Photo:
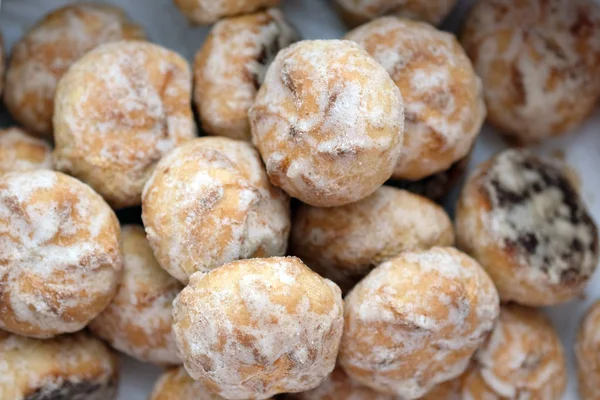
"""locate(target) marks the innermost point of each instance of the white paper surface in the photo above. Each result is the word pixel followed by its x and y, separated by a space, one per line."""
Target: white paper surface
pixel 316 19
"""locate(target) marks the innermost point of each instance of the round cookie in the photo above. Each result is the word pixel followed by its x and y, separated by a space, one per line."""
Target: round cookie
pixel 436 187
pixel 60 260
pixel 118 110
pixel 231 66
pixel 256 328
pixel 20 151
pixel 539 61
pixel 345 243
pixel 357 12
pixel 523 220
pixel 210 202
pixel 587 351
pixel 46 52
pixel 208 11
pixel 176 384
pixel 328 122
pixel 138 321
pixel 522 359
pixel 416 320
pixel 338 386
pixel 76 367
pixel 443 101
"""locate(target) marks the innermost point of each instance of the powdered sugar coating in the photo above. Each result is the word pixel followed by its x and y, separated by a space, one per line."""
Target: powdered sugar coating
pixel 209 11
pixel 416 320
pixel 539 61
pixel 176 384
pixel 522 359
pixel 357 12
pixel 20 151
pixel 328 122
pixel 74 367
pixel 256 328
pixel 338 386
pixel 138 321
pixel 231 66
pixel 587 350
pixel 47 51
pixel 209 202
pixel 521 217
pixel 345 243
pixel 443 101
pixel 60 259
pixel 119 109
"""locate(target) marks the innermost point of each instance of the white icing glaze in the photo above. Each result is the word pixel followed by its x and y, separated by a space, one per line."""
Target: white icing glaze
pixel 415 321
pixel 231 66
pixel 20 151
pixel 41 58
pixel 212 198
pixel 59 253
pixel 255 328
pixel 328 122
pixel 443 100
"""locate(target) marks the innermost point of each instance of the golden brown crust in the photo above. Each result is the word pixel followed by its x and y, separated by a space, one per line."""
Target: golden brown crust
pixel 587 351
pixel 522 219
pixel 357 12
pixel 60 258
pixel 539 61
pixel 20 151
pixel 76 366
pixel 328 122
pixel 416 320
pixel 345 243
pixel 138 321
pixel 231 65
pixel 118 110
pixel 46 52
pixel 208 11
pixel 210 202
pixel 256 328
pixel 443 101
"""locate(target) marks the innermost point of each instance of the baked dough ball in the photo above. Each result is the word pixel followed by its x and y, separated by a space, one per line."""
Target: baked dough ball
pixel 345 243
pixel 522 359
pixel 539 61
pixel 522 219
pixel 209 202
pixel 118 110
pixel 356 12
pixel 209 11
pixel 20 151
pixel 47 51
pixel 60 260
pixel 443 101
pixel 328 122
pixel 231 66
pixel 416 320
pixel 587 350
pixel 76 367
pixel 176 384
pixel 138 321
pixel 437 186
pixel 256 328
pixel 338 386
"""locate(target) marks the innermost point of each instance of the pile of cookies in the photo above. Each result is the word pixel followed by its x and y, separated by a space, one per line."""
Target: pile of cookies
pixel 361 286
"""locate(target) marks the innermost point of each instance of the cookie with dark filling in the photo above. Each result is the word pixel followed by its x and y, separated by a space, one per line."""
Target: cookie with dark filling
pixel 522 218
